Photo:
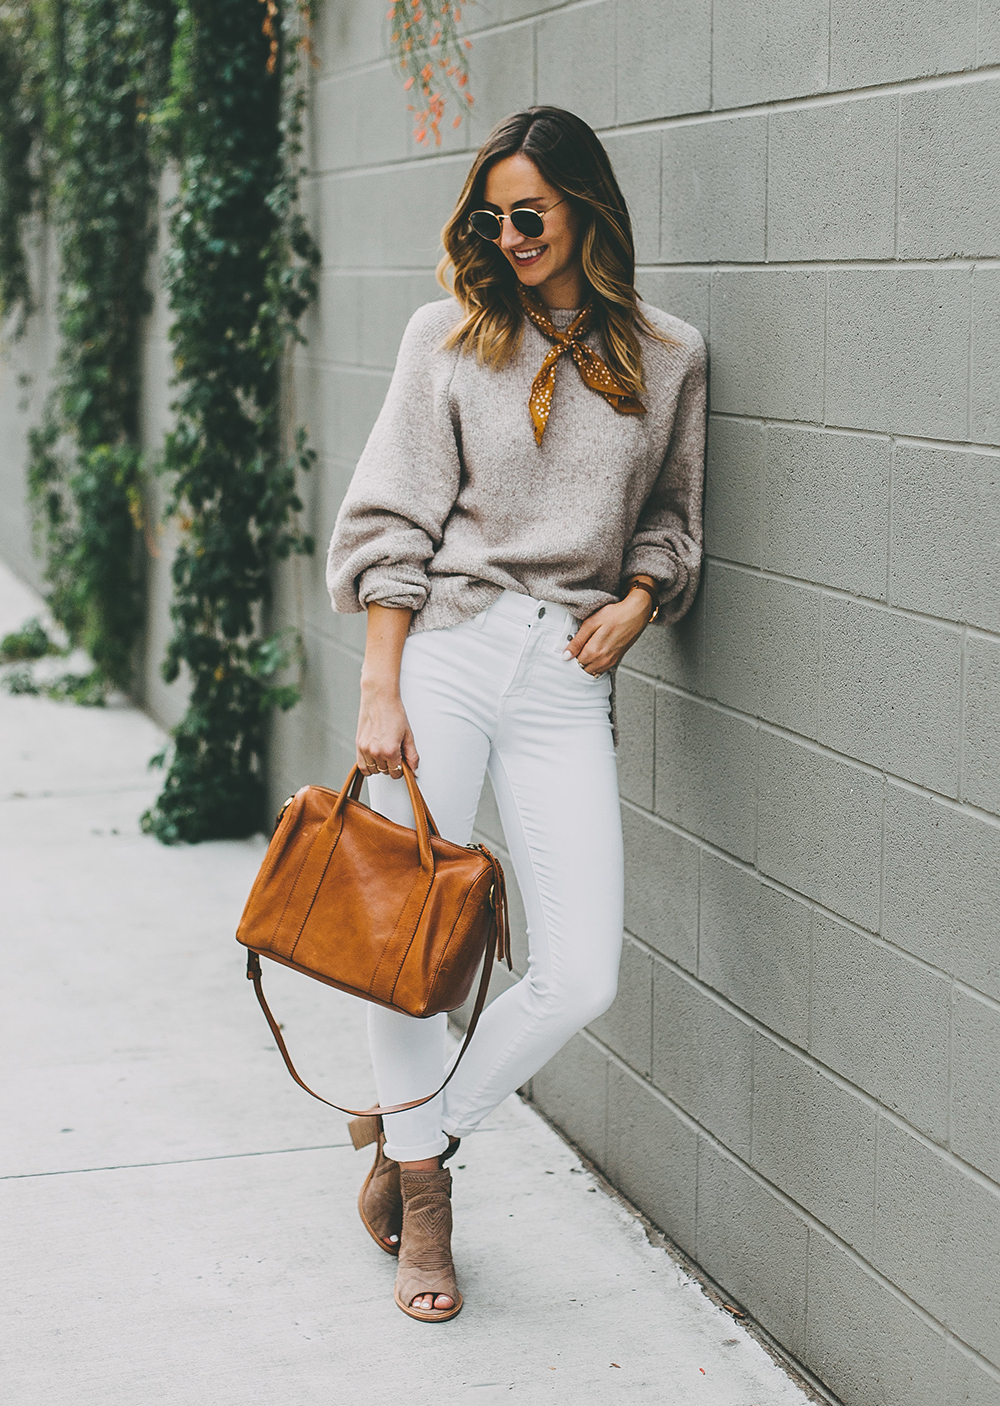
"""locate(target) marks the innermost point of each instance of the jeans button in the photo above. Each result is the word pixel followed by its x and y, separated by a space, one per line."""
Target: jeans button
pixel 541 611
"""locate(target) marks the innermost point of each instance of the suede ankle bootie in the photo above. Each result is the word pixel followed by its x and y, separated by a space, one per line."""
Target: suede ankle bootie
pixel 425 1263
pixel 380 1200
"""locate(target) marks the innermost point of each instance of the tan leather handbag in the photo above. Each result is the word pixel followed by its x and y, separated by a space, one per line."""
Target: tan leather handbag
pixel 396 916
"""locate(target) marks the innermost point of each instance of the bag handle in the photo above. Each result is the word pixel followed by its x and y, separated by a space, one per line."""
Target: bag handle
pixel 498 945
pixel 425 826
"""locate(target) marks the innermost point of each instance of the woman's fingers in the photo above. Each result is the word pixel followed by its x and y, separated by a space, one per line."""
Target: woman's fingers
pixel 596 667
pixel 587 628
pixel 382 728
pixel 387 766
pixel 612 633
pixel 375 761
pixel 409 750
pixel 598 654
pixel 384 757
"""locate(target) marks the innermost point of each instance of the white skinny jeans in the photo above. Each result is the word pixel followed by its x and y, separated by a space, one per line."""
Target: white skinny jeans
pixel 495 693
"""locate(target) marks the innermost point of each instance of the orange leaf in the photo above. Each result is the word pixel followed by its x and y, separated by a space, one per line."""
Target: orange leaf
pixel 458 121
pixel 408 85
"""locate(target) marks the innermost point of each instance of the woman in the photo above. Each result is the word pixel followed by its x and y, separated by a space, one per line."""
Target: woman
pixel 529 498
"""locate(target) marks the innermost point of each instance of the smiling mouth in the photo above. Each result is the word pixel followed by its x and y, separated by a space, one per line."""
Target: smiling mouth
pixel 529 256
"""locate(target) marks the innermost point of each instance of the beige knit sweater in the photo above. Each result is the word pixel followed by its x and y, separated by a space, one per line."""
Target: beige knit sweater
pixel 452 501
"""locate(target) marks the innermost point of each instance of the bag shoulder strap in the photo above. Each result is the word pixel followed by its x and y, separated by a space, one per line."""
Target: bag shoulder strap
pixel 253 975
pixel 499 934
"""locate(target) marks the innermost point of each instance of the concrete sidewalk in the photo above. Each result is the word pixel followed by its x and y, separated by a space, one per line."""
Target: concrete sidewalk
pixel 179 1219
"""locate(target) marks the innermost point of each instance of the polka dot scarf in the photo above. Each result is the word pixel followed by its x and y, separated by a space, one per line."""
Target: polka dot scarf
pixel 595 373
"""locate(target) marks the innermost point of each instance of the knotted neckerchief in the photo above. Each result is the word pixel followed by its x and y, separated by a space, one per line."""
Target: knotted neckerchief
pixel 594 372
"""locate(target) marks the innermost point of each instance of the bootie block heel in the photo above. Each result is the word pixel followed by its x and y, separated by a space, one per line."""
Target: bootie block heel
pixel 425 1263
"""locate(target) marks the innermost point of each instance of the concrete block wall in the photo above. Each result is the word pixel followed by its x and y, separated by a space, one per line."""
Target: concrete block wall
pixel 798 1079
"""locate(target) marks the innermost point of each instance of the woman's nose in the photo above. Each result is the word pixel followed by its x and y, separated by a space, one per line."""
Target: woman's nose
pixel 510 238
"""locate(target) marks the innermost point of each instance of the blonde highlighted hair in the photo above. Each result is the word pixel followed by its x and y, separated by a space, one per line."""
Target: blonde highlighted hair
pixel 571 158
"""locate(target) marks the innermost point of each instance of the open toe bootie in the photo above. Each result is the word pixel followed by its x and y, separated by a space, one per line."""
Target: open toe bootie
pixel 380 1200
pixel 425 1263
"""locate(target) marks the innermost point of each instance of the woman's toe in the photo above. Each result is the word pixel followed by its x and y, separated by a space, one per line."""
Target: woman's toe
pixel 442 1301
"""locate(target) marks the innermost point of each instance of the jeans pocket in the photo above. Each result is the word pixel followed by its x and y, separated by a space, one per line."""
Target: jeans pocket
pixel 586 675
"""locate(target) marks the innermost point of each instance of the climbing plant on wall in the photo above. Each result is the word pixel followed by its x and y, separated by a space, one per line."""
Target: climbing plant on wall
pixel 21 125
pixel 433 58
pixel 240 272
pixel 91 90
pixel 85 465
pixel 74 137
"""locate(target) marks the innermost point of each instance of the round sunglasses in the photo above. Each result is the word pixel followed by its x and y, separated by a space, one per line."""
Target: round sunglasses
pixel 530 223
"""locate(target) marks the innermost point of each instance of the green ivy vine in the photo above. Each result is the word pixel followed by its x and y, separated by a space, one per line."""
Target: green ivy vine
pixel 22 116
pixel 240 273
pixel 93 93
pixel 75 141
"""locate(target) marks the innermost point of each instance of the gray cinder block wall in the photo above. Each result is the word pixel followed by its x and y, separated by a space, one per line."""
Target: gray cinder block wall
pixel 799 1080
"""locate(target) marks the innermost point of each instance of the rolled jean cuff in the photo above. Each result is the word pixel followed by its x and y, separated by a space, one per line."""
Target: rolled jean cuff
pixel 419 1152
pixel 460 1132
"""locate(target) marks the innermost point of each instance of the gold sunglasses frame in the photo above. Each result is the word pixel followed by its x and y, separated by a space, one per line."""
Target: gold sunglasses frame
pixel 525 208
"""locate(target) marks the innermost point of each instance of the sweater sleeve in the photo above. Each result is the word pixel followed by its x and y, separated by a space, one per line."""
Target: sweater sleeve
pixel 667 541
pixel 406 481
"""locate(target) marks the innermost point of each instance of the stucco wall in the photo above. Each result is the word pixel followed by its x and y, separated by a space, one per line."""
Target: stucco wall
pixel 798 1081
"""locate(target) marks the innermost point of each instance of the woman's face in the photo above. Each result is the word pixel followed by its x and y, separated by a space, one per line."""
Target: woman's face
pixel 551 263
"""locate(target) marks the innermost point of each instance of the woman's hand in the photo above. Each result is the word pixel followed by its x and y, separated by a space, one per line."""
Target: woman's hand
pixel 603 638
pixel 384 738
pixel 384 735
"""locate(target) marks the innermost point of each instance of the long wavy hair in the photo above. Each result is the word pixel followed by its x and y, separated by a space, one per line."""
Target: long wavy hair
pixel 571 158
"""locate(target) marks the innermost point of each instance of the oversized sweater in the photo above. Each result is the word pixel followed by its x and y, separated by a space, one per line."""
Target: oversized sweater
pixel 452 501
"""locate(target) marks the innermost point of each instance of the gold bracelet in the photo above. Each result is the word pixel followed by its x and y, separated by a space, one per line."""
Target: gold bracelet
pixel 654 596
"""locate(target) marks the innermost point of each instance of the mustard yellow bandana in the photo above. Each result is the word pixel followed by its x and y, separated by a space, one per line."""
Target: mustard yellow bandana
pixel 595 372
